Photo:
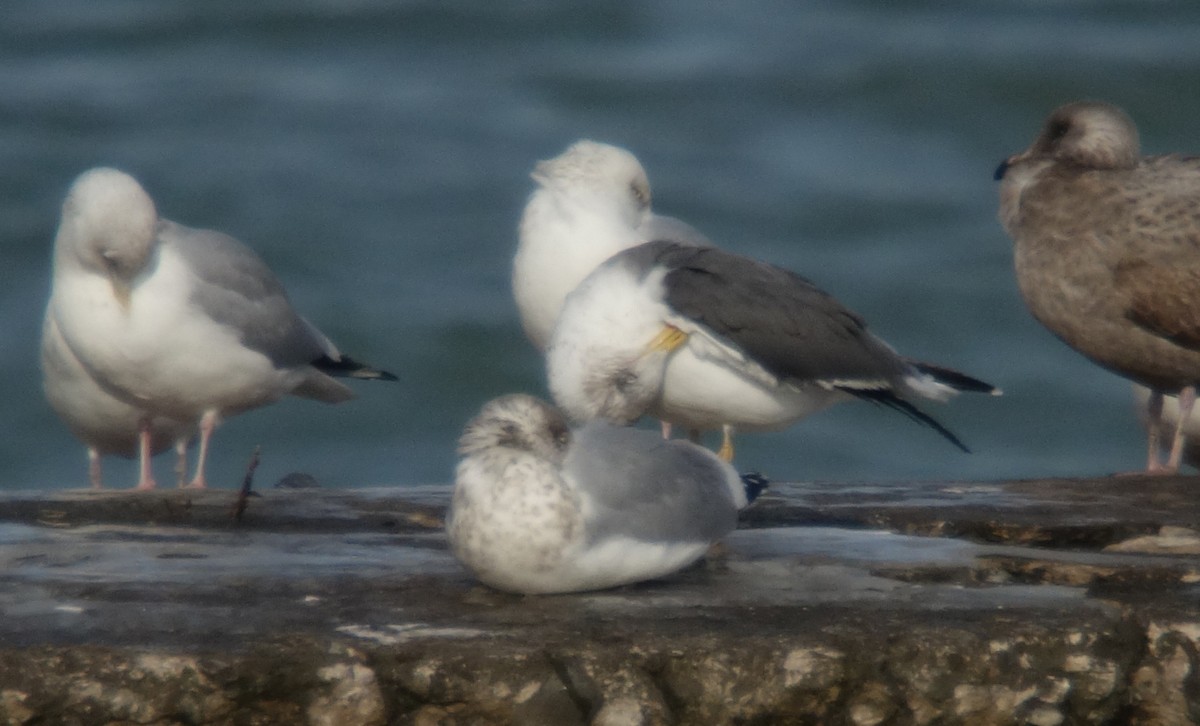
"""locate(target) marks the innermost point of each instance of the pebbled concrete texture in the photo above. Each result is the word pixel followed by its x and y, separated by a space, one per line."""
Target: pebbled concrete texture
pixel 1035 602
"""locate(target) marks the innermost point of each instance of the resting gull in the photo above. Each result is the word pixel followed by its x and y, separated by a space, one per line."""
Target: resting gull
pixel 707 339
pixel 539 508
pixel 180 323
pixel 592 201
pixel 1107 253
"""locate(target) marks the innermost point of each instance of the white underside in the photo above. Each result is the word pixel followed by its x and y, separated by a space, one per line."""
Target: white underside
pixel 560 244
pixel 102 421
pixel 704 391
pixel 608 564
pixel 162 353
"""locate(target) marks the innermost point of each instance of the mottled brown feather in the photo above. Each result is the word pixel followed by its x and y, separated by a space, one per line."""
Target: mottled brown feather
pixel 1107 244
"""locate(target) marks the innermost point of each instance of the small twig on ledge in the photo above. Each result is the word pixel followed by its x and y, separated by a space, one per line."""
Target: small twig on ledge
pixel 239 507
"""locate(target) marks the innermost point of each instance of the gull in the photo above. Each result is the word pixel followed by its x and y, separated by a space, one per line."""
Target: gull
pixel 179 323
pixel 707 339
pixel 106 424
pixel 1106 246
pixel 539 508
pixel 592 201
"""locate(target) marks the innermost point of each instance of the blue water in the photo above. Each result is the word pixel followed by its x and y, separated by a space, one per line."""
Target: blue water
pixel 377 156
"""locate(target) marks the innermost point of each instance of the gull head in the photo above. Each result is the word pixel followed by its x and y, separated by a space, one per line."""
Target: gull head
pixel 1084 134
pixel 109 225
pixel 607 178
pixel 517 422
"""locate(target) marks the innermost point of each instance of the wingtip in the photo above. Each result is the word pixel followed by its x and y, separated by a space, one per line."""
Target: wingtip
pixel 754 484
pixel 347 367
pixel 373 374
pixel 887 397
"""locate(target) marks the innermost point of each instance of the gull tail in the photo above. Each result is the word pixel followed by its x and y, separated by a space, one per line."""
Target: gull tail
pixel 886 397
pixel 346 367
pixel 754 484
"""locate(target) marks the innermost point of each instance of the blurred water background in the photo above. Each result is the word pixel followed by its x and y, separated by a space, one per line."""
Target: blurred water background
pixel 377 155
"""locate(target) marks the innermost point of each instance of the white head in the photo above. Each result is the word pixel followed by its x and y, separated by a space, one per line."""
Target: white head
pixel 108 225
pixel 517 422
pixel 607 178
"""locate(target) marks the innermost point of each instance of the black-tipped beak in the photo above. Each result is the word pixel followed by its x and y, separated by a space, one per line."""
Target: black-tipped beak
pixel 1000 170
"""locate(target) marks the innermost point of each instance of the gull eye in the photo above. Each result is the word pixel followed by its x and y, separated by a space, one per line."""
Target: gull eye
pixel 561 435
pixel 640 192
pixel 1058 129
pixel 111 261
pixel 510 434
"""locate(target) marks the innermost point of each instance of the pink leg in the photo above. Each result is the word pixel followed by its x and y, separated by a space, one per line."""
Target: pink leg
pixel 1154 431
pixel 208 422
pixel 94 468
pixel 146 474
pixel 1187 400
pixel 180 460
pixel 666 429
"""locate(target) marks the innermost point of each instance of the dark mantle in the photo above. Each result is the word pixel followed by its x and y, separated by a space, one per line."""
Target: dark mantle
pixel 1034 602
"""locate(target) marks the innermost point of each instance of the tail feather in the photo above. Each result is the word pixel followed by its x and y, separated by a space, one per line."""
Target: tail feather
pixel 346 367
pixel 885 397
pixel 754 484
pixel 955 379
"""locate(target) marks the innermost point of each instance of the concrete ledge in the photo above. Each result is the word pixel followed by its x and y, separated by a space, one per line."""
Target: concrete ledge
pixel 1042 602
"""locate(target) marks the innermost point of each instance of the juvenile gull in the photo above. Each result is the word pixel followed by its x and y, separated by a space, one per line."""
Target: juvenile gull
pixel 538 508
pixel 179 323
pixel 1107 253
pixel 707 339
pixel 592 201
pixel 104 423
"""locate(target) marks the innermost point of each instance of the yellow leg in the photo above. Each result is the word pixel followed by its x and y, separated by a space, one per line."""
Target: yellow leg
pixel 726 450
pixel 667 340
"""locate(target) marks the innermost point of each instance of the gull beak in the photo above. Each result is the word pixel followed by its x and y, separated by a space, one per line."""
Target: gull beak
pixel 1004 165
pixel 667 340
pixel 122 292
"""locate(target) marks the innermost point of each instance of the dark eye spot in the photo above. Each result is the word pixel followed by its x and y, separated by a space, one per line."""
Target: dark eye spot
pixel 640 193
pixel 1058 129
pixel 561 435
pixel 510 434
pixel 623 379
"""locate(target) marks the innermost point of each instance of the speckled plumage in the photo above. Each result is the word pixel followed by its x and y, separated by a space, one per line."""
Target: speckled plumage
pixel 538 508
pixel 1107 246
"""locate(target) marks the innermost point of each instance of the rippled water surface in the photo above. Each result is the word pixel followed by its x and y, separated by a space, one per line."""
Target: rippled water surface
pixel 377 156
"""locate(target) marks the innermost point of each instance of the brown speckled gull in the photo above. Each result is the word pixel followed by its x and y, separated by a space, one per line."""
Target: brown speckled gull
pixel 1107 252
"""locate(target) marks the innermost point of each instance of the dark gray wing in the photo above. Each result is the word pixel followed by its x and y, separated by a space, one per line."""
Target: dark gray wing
pixel 636 484
pixel 788 325
pixel 796 331
pixel 236 288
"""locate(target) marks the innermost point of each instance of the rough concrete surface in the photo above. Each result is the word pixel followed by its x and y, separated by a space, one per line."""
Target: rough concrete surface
pixel 1034 602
